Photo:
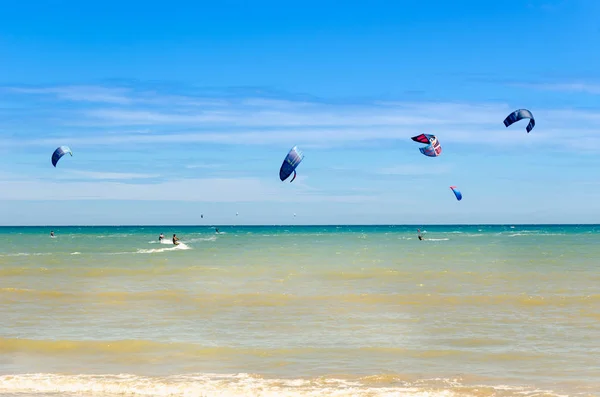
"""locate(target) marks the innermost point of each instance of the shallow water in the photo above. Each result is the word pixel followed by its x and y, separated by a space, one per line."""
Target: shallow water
pixel 346 310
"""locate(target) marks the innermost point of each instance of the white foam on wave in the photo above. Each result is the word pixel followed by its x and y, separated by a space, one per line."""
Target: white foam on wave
pixel 535 235
pixel 194 240
pixel 28 254
pixel 436 239
pixel 75 253
pixel 180 246
pixel 116 235
pixel 232 385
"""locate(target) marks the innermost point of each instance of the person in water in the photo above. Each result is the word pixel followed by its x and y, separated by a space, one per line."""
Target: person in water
pixel 175 239
pixel 51 233
pixel 161 238
pixel 217 230
pixel 419 234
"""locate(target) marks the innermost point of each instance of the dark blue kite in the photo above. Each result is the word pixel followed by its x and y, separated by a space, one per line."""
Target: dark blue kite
pixel 59 152
pixel 519 115
pixel 292 160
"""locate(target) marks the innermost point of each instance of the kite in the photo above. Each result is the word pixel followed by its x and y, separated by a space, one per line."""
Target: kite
pixel 59 152
pixel 457 193
pixel 292 160
pixel 519 115
pixel 433 149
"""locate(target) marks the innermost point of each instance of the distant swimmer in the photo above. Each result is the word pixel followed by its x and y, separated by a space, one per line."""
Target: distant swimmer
pixel 52 233
pixel 161 238
pixel 175 240
pixel 419 234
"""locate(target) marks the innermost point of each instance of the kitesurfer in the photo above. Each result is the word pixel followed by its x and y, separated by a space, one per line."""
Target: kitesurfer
pixel 161 238
pixel 419 234
pixel 217 230
pixel 175 239
pixel 51 233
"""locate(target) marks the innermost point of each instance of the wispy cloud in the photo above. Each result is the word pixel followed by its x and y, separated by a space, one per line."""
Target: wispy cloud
pixel 218 190
pixel 80 93
pixel 253 120
pixel 118 95
pixel 204 166
pixel 412 169
pixel 578 87
pixel 317 115
pixel 110 175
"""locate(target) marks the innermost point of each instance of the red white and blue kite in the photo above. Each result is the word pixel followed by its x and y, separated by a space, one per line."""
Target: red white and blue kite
pixel 433 149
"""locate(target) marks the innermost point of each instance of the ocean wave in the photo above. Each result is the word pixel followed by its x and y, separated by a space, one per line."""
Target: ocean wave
pixel 244 384
pixel 198 239
pixel 105 271
pixel 535 234
pixel 28 254
pixel 178 247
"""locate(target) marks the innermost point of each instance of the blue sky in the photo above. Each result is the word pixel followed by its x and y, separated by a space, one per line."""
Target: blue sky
pixel 179 109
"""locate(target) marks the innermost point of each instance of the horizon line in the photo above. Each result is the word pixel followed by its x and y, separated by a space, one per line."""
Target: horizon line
pixel 317 224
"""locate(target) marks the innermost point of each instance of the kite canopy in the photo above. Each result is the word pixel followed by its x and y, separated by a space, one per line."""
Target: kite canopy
pixel 59 152
pixel 519 115
pixel 292 160
pixel 457 193
pixel 433 149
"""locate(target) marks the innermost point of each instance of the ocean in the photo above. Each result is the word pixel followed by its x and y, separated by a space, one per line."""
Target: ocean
pixel 473 310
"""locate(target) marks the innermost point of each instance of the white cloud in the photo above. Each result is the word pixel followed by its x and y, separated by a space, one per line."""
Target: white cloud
pixel 81 93
pixel 266 121
pixel 317 115
pixel 110 175
pixel 589 88
pixel 413 169
pixel 139 117
pixel 218 190
pixel 206 166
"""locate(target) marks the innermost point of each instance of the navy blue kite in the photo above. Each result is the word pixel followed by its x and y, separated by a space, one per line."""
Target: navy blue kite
pixel 59 152
pixel 292 160
pixel 519 115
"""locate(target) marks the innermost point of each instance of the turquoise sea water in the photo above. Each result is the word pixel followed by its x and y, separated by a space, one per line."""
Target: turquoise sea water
pixel 301 310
